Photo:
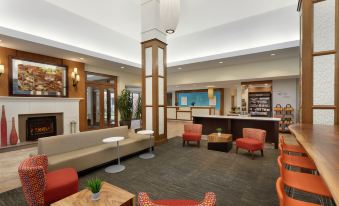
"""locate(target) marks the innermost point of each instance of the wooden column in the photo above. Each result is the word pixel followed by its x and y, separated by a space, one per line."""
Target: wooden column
pixel 154 88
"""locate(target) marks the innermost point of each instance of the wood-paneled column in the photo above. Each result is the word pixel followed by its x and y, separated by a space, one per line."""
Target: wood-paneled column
pixel 154 74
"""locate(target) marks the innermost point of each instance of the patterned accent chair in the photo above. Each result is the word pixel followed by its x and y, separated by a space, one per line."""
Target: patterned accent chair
pixel 41 187
pixel 253 140
pixel 144 200
pixel 192 132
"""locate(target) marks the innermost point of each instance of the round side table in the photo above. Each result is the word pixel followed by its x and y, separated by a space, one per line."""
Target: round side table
pixel 150 154
pixel 114 168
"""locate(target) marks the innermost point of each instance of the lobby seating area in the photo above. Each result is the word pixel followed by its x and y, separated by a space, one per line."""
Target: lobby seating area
pixel 169 103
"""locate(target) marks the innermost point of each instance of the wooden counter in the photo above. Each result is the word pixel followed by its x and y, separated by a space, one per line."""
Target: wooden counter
pixel 234 125
pixel 321 142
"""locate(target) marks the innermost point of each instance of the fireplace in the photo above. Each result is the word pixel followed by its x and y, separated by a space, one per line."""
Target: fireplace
pixel 37 127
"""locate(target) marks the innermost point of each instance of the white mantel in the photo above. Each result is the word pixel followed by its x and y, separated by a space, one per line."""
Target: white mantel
pixel 39 105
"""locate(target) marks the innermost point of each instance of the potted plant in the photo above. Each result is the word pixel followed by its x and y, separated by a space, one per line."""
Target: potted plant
pixel 125 107
pixel 219 130
pixel 94 185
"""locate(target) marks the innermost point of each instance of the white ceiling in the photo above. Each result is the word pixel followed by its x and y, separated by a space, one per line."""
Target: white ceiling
pixel 110 29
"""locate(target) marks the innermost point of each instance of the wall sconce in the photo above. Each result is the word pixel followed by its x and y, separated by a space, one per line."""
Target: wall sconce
pixel 2 69
pixel 75 77
pixel 210 92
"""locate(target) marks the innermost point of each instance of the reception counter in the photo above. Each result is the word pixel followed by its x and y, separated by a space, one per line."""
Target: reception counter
pixel 186 113
pixel 235 124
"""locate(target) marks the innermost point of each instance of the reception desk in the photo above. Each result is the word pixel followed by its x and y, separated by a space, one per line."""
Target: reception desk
pixel 186 113
pixel 321 143
pixel 235 124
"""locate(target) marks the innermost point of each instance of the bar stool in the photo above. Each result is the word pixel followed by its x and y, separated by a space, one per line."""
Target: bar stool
pixel 285 200
pixel 297 161
pixel 304 182
pixel 291 148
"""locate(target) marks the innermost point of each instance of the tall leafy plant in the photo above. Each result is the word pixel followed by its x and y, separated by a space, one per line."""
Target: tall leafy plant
pixel 125 105
pixel 139 109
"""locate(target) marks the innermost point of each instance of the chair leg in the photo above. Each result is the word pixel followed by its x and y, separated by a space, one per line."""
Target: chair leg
pixel 198 143
pixel 183 143
pixel 262 152
pixel 252 155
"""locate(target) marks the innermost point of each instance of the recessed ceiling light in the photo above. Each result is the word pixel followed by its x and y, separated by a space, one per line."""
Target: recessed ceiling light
pixel 177 86
pixel 122 67
pixel 221 62
pixel 273 54
pixel 180 68
pixel 81 58
pixel 0 40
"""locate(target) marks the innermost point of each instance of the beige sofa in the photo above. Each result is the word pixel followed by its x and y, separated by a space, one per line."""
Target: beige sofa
pixel 85 149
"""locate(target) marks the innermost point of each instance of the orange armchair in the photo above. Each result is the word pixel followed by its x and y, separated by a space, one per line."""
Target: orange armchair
pixel 253 140
pixel 192 132
pixel 41 187
pixel 145 200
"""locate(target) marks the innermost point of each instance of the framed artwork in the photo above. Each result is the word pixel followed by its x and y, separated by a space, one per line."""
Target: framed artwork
pixel 29 78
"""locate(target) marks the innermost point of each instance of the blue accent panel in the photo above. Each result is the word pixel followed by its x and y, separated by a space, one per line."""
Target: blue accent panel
pixel 200 99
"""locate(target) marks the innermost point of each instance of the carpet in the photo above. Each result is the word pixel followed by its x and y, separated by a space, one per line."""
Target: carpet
pixel 187 173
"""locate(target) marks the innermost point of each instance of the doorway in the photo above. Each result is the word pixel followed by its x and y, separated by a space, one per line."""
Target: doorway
pixel 101 100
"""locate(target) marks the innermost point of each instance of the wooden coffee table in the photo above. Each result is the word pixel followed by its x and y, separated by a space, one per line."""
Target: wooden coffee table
pixel 222 143
pixel 110 196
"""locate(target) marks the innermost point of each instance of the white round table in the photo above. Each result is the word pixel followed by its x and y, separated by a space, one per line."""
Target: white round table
pixel 150 154
pixel 114 168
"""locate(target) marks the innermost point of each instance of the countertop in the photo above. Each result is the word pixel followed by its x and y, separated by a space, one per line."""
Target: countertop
pixel 239 117
pixel 321 143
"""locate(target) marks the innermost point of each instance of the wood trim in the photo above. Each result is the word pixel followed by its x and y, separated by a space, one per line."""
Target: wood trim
pixel 257 82
pixel 336 75
pixel 306 73
pixel 321 53
pixel 324 107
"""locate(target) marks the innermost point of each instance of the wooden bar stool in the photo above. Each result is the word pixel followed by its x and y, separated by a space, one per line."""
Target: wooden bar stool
pixel 285 200
pixel 304 182
pixel 297 161
pixel 291 148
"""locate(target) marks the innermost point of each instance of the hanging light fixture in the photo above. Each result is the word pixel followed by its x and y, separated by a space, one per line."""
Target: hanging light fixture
pixel 169 15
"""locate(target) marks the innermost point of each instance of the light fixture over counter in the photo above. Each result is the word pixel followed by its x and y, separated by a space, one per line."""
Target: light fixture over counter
pixel 169 15
pixel 2 69
pixel 75 77
pixel 210 92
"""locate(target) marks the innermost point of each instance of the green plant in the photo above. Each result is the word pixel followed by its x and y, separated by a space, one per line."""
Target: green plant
pixel 125 105
pixel 139 109
pixel 94 185
pixel 219 130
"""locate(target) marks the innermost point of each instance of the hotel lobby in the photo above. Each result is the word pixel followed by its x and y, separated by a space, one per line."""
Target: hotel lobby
pixel 169 102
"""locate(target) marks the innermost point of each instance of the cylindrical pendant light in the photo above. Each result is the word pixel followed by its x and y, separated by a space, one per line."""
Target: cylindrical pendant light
pixel 169 15
pixel 210 93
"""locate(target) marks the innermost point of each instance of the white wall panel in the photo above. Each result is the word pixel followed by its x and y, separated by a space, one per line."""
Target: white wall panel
pixel 161 120
pixel 149 91
pixel 149 118
pixel 148 67
pixel 161 96
pixel 161 62
pixel 321 116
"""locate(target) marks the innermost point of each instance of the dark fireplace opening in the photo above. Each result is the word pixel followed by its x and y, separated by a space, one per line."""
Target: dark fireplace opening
pixel 38 127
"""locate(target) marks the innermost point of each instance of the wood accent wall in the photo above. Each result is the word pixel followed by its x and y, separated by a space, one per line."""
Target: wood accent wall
pixel 73 92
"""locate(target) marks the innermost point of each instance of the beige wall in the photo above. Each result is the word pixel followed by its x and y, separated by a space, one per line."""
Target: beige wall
pixel 124 78
pixel 256 70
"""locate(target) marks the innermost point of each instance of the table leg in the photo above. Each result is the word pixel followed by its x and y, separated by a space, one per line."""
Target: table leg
pixel 150 154
pixel 116 168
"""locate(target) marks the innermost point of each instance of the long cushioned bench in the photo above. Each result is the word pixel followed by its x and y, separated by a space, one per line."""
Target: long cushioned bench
pixel 84 150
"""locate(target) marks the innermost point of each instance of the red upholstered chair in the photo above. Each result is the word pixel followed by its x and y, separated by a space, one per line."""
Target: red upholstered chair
pixel 192 132
pixel 145 200
pixel 253 140
pixel 41 187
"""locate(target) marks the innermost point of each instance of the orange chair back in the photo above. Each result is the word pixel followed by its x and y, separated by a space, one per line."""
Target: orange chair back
pixel 193 128
pixel 258 134
pixel 279 185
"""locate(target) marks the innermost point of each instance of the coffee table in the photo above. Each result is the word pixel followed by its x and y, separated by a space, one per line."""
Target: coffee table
pixel 110 195
pixel 222 143
pixel 115 168
pixel 150 154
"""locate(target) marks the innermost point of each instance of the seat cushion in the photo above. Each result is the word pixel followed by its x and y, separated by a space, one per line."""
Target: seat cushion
pixel 191 136
pixel 249 144
pixel 176 202
pixel 60 184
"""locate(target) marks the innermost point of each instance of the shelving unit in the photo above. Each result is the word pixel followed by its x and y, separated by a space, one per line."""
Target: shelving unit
pixel 260 104
pixel 286 115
